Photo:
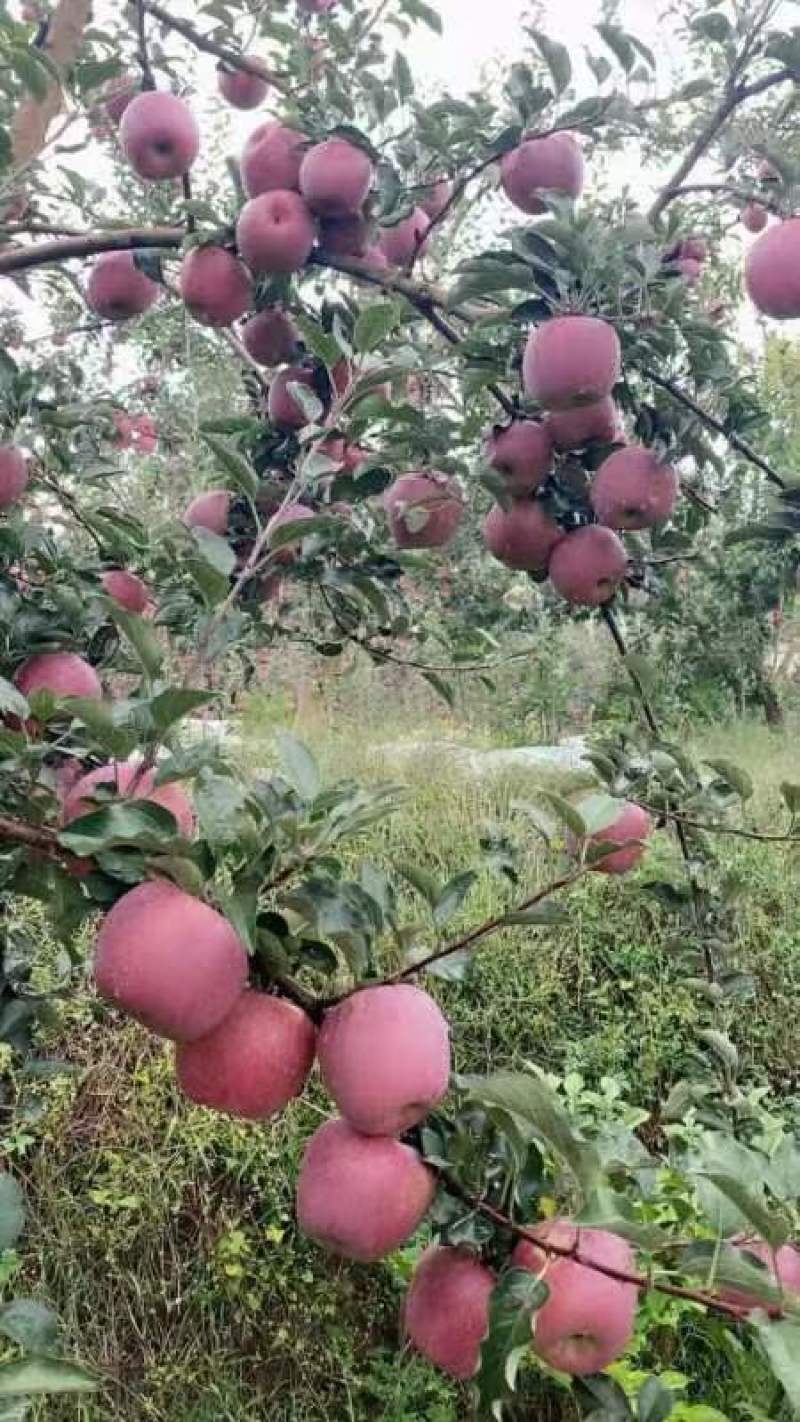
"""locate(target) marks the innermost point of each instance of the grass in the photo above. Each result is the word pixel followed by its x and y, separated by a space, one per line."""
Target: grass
pixel 164 1235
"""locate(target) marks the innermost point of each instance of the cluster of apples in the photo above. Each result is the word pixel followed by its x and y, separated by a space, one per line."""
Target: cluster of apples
pixel 135 431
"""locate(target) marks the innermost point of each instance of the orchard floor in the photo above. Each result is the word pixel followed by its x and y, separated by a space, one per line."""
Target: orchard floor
pixel 164 1235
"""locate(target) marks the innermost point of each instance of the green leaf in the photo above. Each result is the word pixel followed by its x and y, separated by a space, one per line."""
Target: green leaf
pixel 556 57
pixel 773 1228
pixel 12 1211
pixel 300 529
pixel 30 1324
pixel 241 473
pixel 12 700
pixel 374 324
pixel 655 1402
pixel 729 1269
pixel 175 703
pixel 544 915
pixel 781 1343
pixel 29 70
pixel 733 775
pixel 141 636
pixel 439 685
pixel 125 822
pixel 598 812
pixel 44 1375
pixel 791 796
pixel 452 896
pixel 402 77
pixel 298 765
pixel 515 1299
pixel 530 1098
pixel 619 43
pixel 420 880
pixel 607 1209
pixel 569 815
pixel 215 550
pixel 715 27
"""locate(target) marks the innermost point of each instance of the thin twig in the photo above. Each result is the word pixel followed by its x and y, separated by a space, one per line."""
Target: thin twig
pixel 735 441
pixel 200 41
pixel 734 830
pixel 148 77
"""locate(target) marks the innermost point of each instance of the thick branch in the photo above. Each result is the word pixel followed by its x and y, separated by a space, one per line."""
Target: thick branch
pixel 63 249
pixel 37 837
pixel 735 441
pixel 148 78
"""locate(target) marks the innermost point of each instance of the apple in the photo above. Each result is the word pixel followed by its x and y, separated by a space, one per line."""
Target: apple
pixel 632 824
pixel 695 248
pixel 550 164
pixel 335 178
pixel 126 589
pixel 754 217
pixel 242 88
pixel 587 1320
pixel 159 135
pixel 210 510
pixel 446 1314
pixel 423 510
pixel 632 489
pixel 571 360
pixel 346 236
pixel 772 271
pixel 215 286
pixel 361 1196
pixel 435 197
pixel 117 289
pixel 588 566
pixel 271 159
pixel 62 673
pixel 121 775
pixel 13 475
pixel 254 1062
pixel 291 513
pixel 270 337
pixel 283 408
pixel 787 1274
pixel 522 537
pixel 572 429
pixel 690 269
pixel 522 453
pixel 275 233
pixel 400 243
pixel 384 1054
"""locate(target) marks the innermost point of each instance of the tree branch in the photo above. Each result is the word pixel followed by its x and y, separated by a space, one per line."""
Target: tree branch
pixel 88 244
pixel 735 441
pixel 209 46
pixel 735 830
pixel 148 77
pixel 39 838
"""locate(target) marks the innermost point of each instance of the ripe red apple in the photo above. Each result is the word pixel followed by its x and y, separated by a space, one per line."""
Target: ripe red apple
pixel 690 269
pixel 522 453
pixel 13 475
pixel 120 776
pixel 242 88
pixel 275 233
pixel 423 510
pixel 787 1275
pixel 632 823
pixel 63 673
pixel 291 513
pixel 435 198
pixel 117 289
pixel 159 135
pixel 588 566
pixel 446 1314
pixel 772 271
pixel 523 537
pixel 400 244
pixel 340 451
pixel 283 408
pixel 695 248
pixel 361 1196
pixel 209 510
pixel 571 360
pixel 271 159
pixel 215 286
pixel 254 1062
pixel 384 1054
pixel 572 429
pixel 346 236
pixel 270 336
pixel 126 589
pixel 335 178
pixel 552 164
pixel 633 489
pixel 587 1321
pixel 170 961
pixel 754 217
pixel 315 7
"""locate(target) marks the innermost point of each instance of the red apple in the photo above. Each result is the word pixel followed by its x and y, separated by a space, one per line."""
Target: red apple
pixel 695 248
pixel 335 178
pixel 400 243
pixel 446 1314
pixel 587 1320
pixel 270 336
pixel 283 408
pixel 523 537
pixel 772 271
pixel 787 1274
pixel 423 510
pixel 62 673
pixel 126 589
pixel 159 135
pixel 690 269
pixel 588 566
pixel 754 217
pixel 241 87
pixel 632 489
pixel 346 236
pixel 290 514
pixel 13 475
pixel 384 1054
pixel 209 510
pixel 435 198
pixel 254 1062
pixel 572 429
pixel 120 776
pixel 632 823
pixel 275 233
pixel 117 289
pixel 571 360
pixel 551 164
pixel 522 453
pixel 215 286
pixel 361 1196
pixel 170 961
pixel 271 159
